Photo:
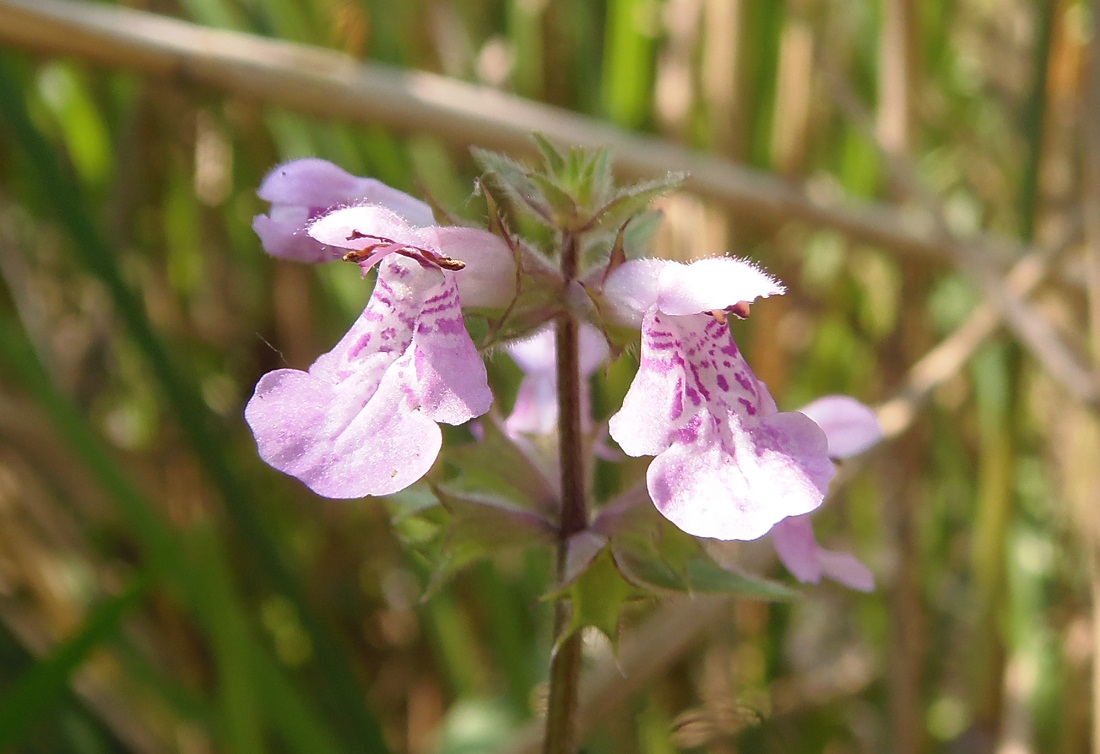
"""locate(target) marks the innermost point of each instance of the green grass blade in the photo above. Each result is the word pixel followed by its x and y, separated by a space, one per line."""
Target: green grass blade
pixel 46 683
pixel 341 692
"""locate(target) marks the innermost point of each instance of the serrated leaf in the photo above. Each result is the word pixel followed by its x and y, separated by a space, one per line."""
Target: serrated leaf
pixel 633 200
pixel 580 551
pixel 596 182
pixel 499 463
pixel 708 577
pixel 550 155
pixel 482 524
pixel 513 181
pixel 678 563
pixel 598 597
pixel 648 571
pixel 563 207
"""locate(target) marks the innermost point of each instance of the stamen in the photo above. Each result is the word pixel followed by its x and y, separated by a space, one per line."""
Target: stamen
pixel 413 252
pixel 739 310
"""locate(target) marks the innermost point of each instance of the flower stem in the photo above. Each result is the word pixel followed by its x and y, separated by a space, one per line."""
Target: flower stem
pixel 565 665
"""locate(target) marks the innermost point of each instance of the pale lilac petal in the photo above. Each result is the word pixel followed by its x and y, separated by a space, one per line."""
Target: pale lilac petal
pixel 728 465
pixel 676 288
pixel 536 354
pixel 449 383
pixel 799 551
pixel 797 548
pixel 313 182
pixel 362 421
pixel 282 233
pixel 303 190
pixel 310 182
pixel 850 426
pixel 489 278
pixel 362 226
pixel 593 350
pixel 338 443
pixel 716 283
pixel 536 407
pixel 844 568
pixel 633 288
pixel 740 486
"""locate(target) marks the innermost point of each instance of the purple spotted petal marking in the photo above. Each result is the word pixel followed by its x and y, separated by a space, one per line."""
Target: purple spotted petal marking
pixel 364 419
pixel 728 464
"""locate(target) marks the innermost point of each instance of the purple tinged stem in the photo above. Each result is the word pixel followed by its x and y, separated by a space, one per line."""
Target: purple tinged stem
pixel 566 663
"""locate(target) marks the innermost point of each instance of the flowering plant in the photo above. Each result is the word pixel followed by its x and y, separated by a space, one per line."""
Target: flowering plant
pixel 363 420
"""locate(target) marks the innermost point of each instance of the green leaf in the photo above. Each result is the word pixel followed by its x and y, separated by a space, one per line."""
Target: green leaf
pixel 555 163
pixel 483 524
pixel 669 560
pixel 409 502
pixel 597 181
pixel 514 185
pixel 497 463
pixel 598 597
pixel 633 200
pixel 580 551
pixel 564 211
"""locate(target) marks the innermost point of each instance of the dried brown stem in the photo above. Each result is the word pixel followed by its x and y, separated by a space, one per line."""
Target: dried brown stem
pixel 329 84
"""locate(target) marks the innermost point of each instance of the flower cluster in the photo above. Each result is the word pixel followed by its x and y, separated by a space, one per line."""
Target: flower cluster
pixel 364 419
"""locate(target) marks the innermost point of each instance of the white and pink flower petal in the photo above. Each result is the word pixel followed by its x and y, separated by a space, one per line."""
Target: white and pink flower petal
pixel 850 426
pixel 676 288
pixel 363 420
pixel 799 551
pixel 303 190
pixel 728 465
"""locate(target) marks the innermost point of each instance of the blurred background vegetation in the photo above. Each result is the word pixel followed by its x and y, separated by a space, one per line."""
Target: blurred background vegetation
pixel 161 590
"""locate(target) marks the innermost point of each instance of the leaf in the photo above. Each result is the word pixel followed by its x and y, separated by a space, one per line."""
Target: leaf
pixel 673 561
pixel 514 183
pixel 580 551
pixel 597 181
pixel 633 200
pixel 555 163
pixel 563 207
pixel 598 597
pixel 501 464
pixel 482 524
pixel 410 502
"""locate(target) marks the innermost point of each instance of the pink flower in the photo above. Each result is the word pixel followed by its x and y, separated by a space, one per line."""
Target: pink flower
pixel 302 190
pixel 484 268
pixel 728 464
pixel 850 428
pixel 536 409
pixel 364 419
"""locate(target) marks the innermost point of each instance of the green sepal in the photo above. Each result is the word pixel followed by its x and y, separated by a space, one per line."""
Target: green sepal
pixel 565 211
